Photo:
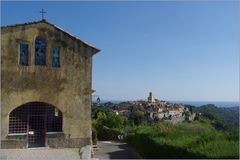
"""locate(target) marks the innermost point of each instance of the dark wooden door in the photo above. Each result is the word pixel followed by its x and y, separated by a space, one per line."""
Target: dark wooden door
pixel 36 131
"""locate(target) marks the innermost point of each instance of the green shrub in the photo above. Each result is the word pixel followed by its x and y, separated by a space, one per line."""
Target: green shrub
pixel 109 125
pixel 183 140
pixel 105 133
pixel 110 120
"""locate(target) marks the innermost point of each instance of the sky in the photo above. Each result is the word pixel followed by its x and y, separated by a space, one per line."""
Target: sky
pixel 179 50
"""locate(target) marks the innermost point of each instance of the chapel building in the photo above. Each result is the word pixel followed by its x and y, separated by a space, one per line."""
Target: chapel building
pixel 46 87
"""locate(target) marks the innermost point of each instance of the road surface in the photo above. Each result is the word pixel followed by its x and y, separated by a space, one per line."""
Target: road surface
pixel 114 150
pixel 40 154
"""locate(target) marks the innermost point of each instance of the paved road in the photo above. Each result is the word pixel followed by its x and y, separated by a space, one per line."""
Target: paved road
pixel 40 154
pixel 106 150
pixel 114 150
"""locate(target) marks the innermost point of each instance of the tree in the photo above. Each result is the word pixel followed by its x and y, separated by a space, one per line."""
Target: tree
pixel 187 115
pixel 96 109
pixel 109 125
pixel 138 117
pixel 190 109
pixel 110 120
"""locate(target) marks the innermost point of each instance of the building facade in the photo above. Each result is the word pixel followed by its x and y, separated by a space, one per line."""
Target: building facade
pixel 46 87
pixel 151 99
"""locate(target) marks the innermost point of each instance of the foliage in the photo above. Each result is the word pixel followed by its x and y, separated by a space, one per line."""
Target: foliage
pixel 105 133
pixel 138 117
pixel 94 135
pixel 227 118
pixel 184 140
pixel 98 108
pixel 216 122
pixel 198 139
pixel 110 120
pixel 186 114
pixel 109 125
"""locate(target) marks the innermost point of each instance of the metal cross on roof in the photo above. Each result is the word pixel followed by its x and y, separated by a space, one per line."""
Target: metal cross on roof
pixel 43 12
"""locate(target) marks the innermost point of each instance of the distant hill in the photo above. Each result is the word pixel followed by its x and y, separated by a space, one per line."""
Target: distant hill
pixel 230 116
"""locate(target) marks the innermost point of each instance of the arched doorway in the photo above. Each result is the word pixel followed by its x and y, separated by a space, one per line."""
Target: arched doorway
pixel 35 119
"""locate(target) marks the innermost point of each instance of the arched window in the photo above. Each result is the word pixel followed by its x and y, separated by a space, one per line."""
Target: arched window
pixel 56 57
pixel 40 51
pixel 23 59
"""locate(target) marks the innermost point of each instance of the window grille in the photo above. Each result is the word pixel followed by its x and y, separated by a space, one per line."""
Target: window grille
pixel 18 118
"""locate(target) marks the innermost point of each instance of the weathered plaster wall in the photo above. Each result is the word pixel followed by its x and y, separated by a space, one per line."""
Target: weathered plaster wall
pixel 68 88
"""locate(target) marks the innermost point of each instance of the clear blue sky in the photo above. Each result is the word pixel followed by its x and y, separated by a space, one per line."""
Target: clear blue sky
pixel 177 50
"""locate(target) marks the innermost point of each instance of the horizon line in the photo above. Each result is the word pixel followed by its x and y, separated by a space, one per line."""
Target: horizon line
pixel 173 100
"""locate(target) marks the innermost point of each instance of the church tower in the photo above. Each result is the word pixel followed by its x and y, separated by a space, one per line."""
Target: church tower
pixel 151 98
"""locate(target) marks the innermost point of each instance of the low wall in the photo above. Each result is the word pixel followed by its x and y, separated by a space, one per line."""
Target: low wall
pixel 58 140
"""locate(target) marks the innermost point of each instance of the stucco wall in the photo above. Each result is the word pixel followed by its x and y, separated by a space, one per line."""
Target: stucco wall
pixel 68 88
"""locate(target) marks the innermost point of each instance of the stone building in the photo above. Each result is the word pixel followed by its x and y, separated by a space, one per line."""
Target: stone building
pixel 46 87
pixel 151 99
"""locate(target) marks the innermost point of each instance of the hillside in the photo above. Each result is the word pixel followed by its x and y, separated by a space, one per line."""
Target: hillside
pixel 204 137
pixel 229 116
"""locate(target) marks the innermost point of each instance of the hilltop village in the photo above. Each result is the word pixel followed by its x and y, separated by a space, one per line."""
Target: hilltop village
pixel 152 110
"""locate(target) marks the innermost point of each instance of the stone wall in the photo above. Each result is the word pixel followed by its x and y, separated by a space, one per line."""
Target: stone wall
pixel 176 119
